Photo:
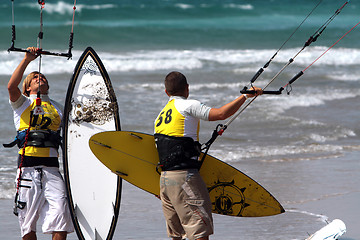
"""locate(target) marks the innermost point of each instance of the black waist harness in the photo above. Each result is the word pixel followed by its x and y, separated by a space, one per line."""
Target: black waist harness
pixel 177 153
pixel 37 138
pixel 28 161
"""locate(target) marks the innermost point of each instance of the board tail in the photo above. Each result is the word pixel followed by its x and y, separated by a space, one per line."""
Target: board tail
pixel 333 230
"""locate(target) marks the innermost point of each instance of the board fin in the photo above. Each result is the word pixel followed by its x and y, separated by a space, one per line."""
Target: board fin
pixel 96 234
pixel 137 136
pixel 101 144
pixel 120 173
pixel 75 210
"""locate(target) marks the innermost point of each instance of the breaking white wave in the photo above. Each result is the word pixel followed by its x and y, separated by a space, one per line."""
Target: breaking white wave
pixel 155 60
pixel 278 153
pixel 63 8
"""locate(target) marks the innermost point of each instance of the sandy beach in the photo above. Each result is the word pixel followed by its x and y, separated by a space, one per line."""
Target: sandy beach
pixel 141 215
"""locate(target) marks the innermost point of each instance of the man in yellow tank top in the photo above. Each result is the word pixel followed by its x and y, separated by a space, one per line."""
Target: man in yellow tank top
pixel 185 199
pixel 40 188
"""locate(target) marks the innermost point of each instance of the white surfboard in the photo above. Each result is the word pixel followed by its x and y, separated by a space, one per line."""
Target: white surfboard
pixel 332 231
pixel 93 190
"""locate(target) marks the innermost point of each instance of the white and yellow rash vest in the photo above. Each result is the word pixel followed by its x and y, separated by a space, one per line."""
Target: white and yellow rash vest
pixel 51 120
pixel 180 118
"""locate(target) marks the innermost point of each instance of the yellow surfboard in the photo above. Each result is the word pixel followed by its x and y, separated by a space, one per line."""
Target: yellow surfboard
pixel 134 157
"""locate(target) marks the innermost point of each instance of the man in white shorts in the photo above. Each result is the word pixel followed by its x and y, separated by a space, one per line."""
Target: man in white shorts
pixel 185 199
pixel 40 187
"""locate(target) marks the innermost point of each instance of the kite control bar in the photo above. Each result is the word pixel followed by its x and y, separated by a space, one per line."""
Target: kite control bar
pixel 278 92
pixel 40 35
pixel 246 91
pixel 42 52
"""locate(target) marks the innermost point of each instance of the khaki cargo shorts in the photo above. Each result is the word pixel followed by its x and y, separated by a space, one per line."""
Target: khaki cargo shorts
pixel 186 204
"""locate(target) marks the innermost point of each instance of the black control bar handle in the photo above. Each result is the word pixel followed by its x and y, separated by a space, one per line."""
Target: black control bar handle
pixel 245 91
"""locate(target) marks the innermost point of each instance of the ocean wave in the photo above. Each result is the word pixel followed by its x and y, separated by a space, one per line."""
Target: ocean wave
pixel 154 60
pixel 338 56
pixel 239 6
pixel 6 169
pixel 312 97
pixel 278 153
pixel 337 134
pixel 353 76
pixel 65 8
pixel 207 5
pixel 276 105
pixel 184 6
pixel 6 193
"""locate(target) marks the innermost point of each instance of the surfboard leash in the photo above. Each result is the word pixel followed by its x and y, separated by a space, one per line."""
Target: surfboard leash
pixel 40 35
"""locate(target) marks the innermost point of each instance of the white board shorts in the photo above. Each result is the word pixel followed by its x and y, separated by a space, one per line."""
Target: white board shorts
pixel 43 191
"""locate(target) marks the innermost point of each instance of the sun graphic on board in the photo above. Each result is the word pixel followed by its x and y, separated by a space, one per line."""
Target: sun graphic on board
pixel 229 199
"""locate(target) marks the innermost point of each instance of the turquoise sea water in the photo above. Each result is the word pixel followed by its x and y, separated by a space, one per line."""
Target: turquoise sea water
pixel 302 147
pixel 149 24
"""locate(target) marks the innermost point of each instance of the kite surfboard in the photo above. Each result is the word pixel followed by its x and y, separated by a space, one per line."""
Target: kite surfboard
pixel 134 157
pixel 93 190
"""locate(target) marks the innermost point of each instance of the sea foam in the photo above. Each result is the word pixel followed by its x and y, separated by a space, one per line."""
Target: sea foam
pixel 154 60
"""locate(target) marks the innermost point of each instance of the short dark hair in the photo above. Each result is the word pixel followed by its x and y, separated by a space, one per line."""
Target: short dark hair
pixel 175 83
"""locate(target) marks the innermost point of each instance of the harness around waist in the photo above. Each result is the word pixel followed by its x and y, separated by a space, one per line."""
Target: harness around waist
pixel 177 153
pixel 37 138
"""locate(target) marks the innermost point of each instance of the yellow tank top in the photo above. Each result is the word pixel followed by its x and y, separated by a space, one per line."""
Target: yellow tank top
pixel 50 120
pixel 181 118
pixel 170 122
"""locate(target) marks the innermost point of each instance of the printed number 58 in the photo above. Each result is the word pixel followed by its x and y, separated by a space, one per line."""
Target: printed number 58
pixel 168 117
